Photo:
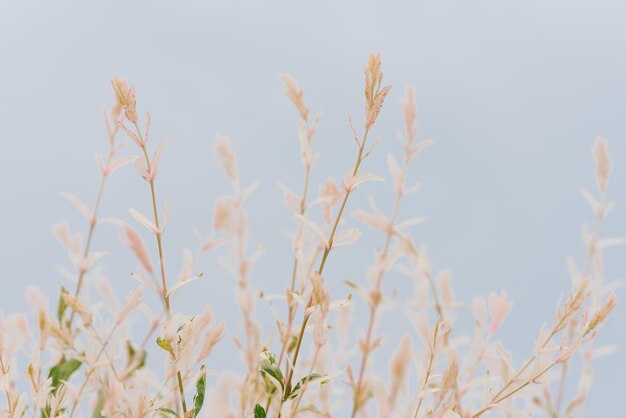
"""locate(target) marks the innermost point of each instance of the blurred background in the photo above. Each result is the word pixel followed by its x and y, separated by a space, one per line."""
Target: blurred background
pixel 512 93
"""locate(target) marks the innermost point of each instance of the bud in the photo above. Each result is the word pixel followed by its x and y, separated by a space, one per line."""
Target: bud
pixel 125 97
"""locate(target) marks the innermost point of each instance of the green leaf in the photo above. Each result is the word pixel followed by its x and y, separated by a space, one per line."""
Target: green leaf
pixel 97 410
pixel 165 345
pixel 168 411
pixel 268 368
pixel 62 371
pixel 62 305
pixel 259 412
pixel 306 379
pixel 198 398
pixel 133 356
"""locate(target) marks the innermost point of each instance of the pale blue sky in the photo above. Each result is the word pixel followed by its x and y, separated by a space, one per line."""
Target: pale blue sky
pixel 512 92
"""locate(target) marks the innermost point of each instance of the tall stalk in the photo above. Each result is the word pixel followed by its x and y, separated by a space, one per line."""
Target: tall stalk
pixel 165 296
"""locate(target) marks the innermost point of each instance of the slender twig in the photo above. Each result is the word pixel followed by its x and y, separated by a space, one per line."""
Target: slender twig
pixel 586 269
pixel 90 372
pixel 165 296
pixel 320 269
pixel 377 284
pixel 558 326
pixel 291 314
pixel 294 270
pixel 305 383
pixel 94 214
pixel 429 369
pixel 497 400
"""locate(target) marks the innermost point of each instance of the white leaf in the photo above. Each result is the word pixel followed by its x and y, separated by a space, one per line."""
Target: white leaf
pixel 120 162
pixel 245 193
pixel 352 182
pixel 135 299
pixel 338 304
pixel 256 256
pixel 346 237
pixel 298 299
pixel 409 222
pixel 79 205
pixel 112 221
pixel 141 168
pixel 396 172
pixel 187 268
pixel 313 227
pixel 292 201
pixel 413 188
pixel 611 242
pixel 378 222
pixel 156 159
pixel 182 283
pixel 143 220
pixel 91 258
pixel 145 281
pixel 166 215
pixel 591 200
pixel 419 147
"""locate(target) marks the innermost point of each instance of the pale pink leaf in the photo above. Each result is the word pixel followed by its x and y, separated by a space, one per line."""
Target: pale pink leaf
pixel 82 208
pixel 396 173
pixel 352 182
pixel 313 227
pixel 346 237
pixel 378 222
pixel 156 159
pixel 135 299
pixel 86 263
pixel 499 308
pixel 182 283
pixel 131 135
pixel 291 199
pixel 140 164
pixel 409 223
pixel 166 215
pixel 112 221
pixel 120 162
pixel 134 242
pixel 341 303
pixel 143 220
pixel 146 282
pixel 419 147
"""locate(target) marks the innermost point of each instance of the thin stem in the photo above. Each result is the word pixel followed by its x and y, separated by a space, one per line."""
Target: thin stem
pixel 497 397
pixel 295 356
pixel 514 391
pixel 429 369
pixel 90 372
pixel 182 392
pixel 94 218
pixel 561 391
pixel 323 262
pixel 587 266
pixel 374 308
pixel 305 383
pixel 292 309
pixel 166 298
